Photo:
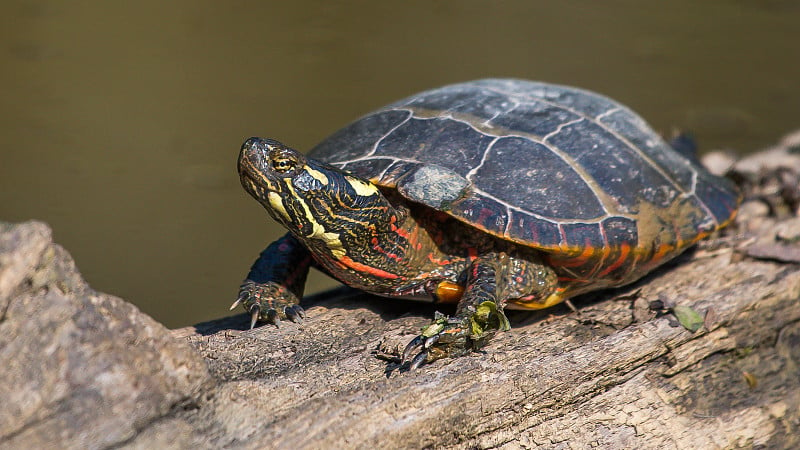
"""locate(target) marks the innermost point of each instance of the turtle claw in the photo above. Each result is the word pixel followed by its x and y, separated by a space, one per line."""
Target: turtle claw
pixel 432 340
pixel 243 294
pixel 295 313
pixel 418 360
pixel 269 302
pixel 274 318
pixel 254 316
pixel 419 343
pixel 412 346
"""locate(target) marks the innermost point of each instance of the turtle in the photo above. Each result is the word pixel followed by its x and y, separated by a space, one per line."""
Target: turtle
pixel 490 194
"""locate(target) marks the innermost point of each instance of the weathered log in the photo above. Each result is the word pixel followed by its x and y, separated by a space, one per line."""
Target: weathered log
pixel 83 369
pixel 80 369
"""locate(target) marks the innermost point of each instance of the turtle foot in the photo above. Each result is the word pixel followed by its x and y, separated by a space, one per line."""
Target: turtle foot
pixel 269 302
pixel 455 336
pixel 444 337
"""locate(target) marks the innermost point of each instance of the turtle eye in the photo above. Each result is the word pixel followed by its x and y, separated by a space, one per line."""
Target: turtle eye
pixel 282 164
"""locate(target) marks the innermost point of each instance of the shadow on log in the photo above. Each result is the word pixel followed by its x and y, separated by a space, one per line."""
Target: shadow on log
pixel 84 369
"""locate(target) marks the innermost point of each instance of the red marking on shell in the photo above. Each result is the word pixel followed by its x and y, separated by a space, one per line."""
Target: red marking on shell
pixel 625 250
pixel 575 261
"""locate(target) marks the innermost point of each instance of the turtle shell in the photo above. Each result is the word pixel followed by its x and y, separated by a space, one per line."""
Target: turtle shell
pixel 560 169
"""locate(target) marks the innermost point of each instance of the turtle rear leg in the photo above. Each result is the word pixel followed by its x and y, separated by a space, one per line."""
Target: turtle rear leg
pixel 478 317
pixel 274 286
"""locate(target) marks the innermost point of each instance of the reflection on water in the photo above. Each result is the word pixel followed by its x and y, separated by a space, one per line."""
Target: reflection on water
pixel 121 123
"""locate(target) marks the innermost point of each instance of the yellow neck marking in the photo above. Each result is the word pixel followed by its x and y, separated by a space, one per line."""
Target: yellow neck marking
pixel 277 204
pixel 362 187
pixel 317 175
pixel 318 231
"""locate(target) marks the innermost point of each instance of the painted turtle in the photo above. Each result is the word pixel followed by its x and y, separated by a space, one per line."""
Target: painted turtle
pixel 490 193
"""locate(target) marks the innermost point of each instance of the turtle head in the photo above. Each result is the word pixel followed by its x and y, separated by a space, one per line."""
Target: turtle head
pixel 315 201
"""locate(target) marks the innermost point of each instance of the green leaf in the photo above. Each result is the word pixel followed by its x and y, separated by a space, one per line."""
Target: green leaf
pixel 689 318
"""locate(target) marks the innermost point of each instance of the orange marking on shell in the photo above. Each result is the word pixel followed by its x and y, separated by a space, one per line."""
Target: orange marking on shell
pixel 662 251
pixel 606 252
pixel 447 292
pixel 625 250
pixel 357 266
pixel 576 261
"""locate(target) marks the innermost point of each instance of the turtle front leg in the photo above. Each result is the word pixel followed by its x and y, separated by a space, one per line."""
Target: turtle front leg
pixel 274 286
pixel 479 316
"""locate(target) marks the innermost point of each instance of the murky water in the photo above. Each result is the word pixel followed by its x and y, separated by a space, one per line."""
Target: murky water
pixel 121 123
